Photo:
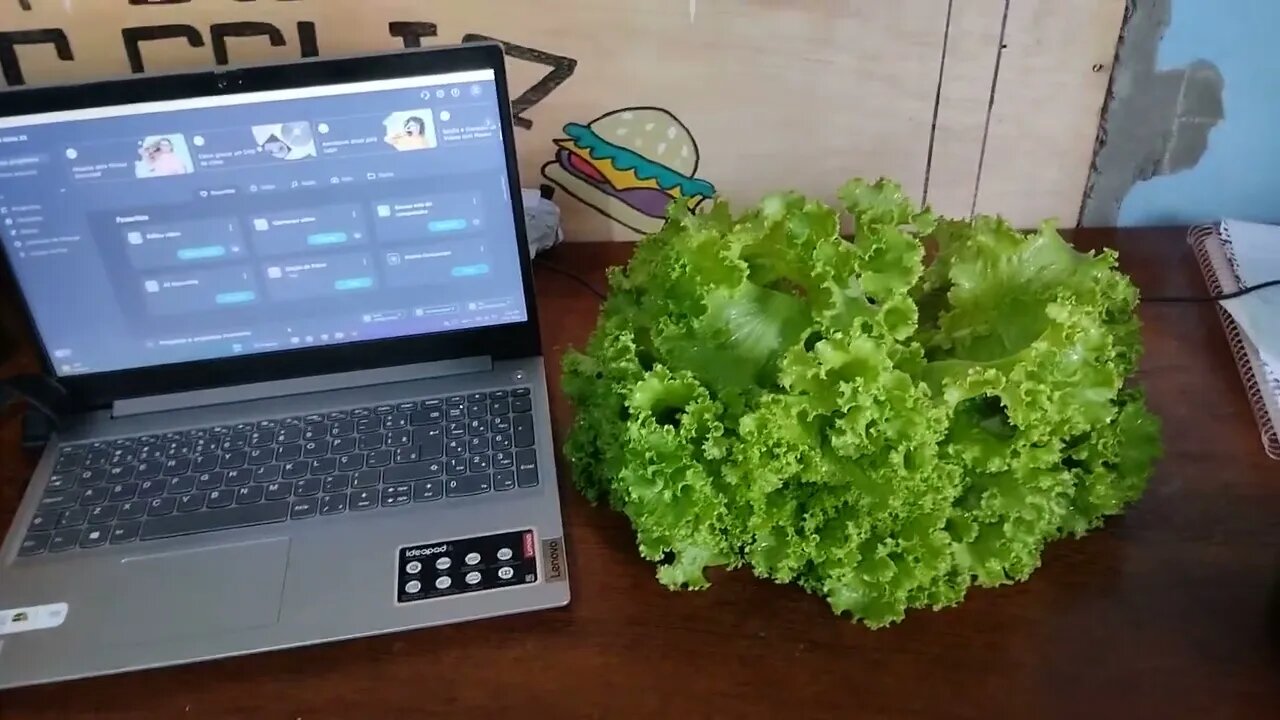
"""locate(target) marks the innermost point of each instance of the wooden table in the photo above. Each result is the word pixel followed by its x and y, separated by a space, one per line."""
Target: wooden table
pixel 1168 612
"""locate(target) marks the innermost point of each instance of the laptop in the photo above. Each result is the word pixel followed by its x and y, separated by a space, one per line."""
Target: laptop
pixel 292 311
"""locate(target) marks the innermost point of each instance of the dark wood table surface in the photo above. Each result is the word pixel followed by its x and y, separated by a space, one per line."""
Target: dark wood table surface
pixel 1168 612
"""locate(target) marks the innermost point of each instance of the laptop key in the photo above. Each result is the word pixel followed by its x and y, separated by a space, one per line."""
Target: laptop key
pixel 191 503
pixel 368 425
pixel 238 478
pixel 523 430
pixel 521 405
pixel 302 509
pixel 210 480
pixel 359 413
pixel 125 532
pixel 414 471
pixel 268 424
pixel 209 521
pixel 476 397
pixel 64 540
pixel 363 499
pixel 261 456
pixel 233 459
pixel 427 490
pixel 431 441
pixel 468 485
pixel 316 431
pixel 499 407
pixel 397 495
pixel 371 441
pixel 60 481
pixel 307 487
pixel 432 403
pixel 502 442
pixel 333 504
pixel 315 448
pixel 527 468
pixel 455 467
pixel 477 427
pixel 157 507
pixel 103 514
pixel 96 458
pixel 399 438
pixel 520 392
pixel 148 489
pixel 499 394
pixel 455 448
pixel 34 544
pixel 44 520
pixel 122 492
pixel 220 499
pixel 295 470
pixel 351 463
pixel 343 428
pixel 95 495
pixel 313 418
pixel 503 460
pixel 291 422
pixel 501 424
pixel 148 469
pixel 67 463
pixel 455 414
pixel 279 490
pixel 261 438
pixel 407 406
pixel 419 418
pixel 504 480
pixel 456 400
pixel 396 421
pixel 266 473
pixel 478 464
pixel 477 445
pixel 120 473
pixel 477 410
pixel 407 454
pixel 181 485
pixel 336 415
pixel 92 537
pixel 455 430
pixel 131 510
pixel 205 463
pixel 91 477
pixel 378 458
pixel 150 452
pixel 324 465
pixel 342 446
pixel 289 435
pixel 339 483
pixel 289 453
pixel 363 479
pixel 249 495
pixel 74 517
pixel 59 501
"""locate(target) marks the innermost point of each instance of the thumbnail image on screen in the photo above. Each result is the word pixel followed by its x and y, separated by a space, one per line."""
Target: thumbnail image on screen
pixel 410 130
pixel 286 141
pixel 162 156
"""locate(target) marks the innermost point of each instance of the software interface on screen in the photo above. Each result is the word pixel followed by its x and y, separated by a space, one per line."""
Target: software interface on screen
pixel 167 232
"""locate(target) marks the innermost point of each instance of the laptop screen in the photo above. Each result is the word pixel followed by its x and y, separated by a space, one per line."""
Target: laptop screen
pixel 168 232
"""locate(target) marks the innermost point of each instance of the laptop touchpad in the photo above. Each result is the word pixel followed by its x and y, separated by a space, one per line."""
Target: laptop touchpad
pixel 196 592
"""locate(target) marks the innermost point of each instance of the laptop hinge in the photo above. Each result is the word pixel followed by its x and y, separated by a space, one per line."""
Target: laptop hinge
pixel 299 386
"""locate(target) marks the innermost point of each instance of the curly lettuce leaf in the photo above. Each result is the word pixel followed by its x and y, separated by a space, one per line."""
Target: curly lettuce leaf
pixel 843 415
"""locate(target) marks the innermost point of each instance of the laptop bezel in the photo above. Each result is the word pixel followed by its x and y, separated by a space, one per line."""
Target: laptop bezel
pixel 507 341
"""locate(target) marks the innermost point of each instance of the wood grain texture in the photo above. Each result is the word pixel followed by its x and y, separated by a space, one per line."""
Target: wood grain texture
pixel 1162 614
pixel 777 95
pixel 1052 79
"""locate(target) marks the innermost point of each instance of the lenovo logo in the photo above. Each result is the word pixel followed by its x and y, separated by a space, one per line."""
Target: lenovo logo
pixel 553 559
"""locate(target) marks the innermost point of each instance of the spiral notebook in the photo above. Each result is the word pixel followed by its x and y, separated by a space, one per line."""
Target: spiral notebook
pixel 1261 376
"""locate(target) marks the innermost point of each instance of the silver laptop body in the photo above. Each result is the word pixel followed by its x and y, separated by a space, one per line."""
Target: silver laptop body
pixel 351 437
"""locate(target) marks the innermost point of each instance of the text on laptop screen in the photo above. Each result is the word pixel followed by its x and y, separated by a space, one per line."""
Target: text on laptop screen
pixel 176 231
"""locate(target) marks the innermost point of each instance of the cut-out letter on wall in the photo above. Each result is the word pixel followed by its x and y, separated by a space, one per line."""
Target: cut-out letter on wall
pixel 219 32
pixel 562 68
pixel 9 42
pixel 135 36
pixel 411 33
pixel 308 44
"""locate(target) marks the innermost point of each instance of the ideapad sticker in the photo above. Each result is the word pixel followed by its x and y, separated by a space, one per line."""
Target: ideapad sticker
pixel 38 617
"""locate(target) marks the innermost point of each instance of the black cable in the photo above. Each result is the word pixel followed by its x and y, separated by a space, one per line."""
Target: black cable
pixel 1214 298
pixel 572 276
pixel 25 388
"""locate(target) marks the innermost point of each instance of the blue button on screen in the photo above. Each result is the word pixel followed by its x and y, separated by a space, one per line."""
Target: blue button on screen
pixel 354 283
pixel 234 298
pixel 470 270
pixel 202 253
pixel 446 225
pixel 333 238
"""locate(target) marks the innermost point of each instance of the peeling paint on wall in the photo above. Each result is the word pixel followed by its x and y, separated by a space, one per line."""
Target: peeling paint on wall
pixel 1157 122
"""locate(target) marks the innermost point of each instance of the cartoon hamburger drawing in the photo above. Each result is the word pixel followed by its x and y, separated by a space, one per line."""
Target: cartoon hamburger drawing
pixel 630 165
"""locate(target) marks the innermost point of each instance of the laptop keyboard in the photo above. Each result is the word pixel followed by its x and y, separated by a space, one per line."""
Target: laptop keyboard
pixel 291 469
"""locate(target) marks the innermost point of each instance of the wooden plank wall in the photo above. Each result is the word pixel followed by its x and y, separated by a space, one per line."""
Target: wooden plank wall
pixel 987 105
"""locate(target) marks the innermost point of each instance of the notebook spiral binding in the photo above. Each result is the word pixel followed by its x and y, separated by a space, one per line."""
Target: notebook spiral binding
pixel 1212 247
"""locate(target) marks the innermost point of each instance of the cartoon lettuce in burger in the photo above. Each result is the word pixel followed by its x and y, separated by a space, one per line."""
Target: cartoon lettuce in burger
pixel 630 164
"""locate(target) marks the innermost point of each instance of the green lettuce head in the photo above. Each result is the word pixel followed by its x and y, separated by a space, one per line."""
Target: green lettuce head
pixel 844 414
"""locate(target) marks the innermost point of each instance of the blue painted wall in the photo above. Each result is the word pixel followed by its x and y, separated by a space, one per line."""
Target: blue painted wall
pixel 1239 176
